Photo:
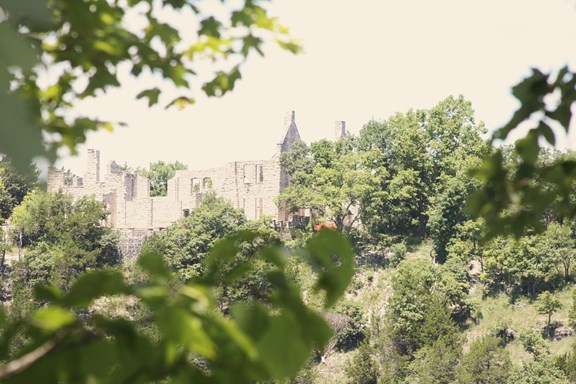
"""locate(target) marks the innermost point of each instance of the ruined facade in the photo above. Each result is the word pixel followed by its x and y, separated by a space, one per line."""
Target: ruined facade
pixel 251 186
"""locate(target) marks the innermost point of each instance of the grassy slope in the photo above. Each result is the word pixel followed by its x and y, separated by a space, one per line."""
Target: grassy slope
pixel 520 316
pixel 371 288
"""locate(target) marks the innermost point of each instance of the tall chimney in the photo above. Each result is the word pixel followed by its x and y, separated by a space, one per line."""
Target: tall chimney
pixel 289 119
pixel 339 130
pixel 93 166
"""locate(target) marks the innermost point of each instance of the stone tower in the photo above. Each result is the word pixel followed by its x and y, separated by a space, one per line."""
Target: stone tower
pixel 291 134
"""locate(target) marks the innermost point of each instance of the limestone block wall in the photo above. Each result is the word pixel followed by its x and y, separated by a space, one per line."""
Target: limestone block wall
pixel 92 175
pixel 131 241
pixel 249 185
pixel 138 214
pixel 126 196
pixel 165 211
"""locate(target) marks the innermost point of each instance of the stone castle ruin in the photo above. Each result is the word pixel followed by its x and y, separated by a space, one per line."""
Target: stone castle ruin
pixel 250 186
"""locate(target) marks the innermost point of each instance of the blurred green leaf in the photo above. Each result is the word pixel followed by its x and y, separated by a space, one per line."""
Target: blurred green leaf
pixel 530 93
pixel 333 256
pixel 94 285
pixel 222 83
pixel 285 361
pixel 52 319
pixel 290 45
pixel 152 94
pixel 210 27
pixel 50 293
pixel 184 328
pixel 181 102
pixel 547 132
pixel 153 263
pixel 528 147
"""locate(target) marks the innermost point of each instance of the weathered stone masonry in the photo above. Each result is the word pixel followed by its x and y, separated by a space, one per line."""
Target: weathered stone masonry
pixel 249 185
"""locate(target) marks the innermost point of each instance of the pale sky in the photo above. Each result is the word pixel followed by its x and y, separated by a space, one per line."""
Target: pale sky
pixel 363 59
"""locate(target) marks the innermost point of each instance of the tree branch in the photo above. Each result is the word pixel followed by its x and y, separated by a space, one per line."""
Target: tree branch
pixel 16 366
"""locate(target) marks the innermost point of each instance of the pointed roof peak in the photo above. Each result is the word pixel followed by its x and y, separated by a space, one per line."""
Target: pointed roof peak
pixel 290 132
pixel 289 119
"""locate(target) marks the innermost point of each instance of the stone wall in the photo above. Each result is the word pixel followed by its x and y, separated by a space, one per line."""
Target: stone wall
pixel 131 241
pixel 250 186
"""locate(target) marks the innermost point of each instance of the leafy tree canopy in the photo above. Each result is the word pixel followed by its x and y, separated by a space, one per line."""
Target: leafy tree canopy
pixel 86 47
pixel 159 173
pixel 64 238
pixel 186 243
pixel 329 178
pixel 515 196
pixel 14 185
pixel 411 157
pixel 486 362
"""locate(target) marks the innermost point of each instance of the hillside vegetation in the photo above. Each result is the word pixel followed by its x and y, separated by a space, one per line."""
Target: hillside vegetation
pixel 510 318
pixel 409 286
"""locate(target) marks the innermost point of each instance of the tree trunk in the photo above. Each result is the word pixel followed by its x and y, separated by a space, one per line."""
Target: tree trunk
pixel 340 224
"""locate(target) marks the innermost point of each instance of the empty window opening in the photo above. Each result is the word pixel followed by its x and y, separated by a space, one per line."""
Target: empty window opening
pixel 207 183
pixel 260 207
pixel 195 185
pixel 247 175
pixel 259 173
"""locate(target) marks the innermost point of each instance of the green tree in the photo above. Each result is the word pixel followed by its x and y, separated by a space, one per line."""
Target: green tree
pixel 519 265
pixel 466 244
pixel 537 372
pixel 547 305
pixel 436 363
pixel 64 238
pixel 411 158
pixel 400 169
pixel 485 363
pixel 14 185
pixel 418 311
pixel 557 242
pixel 186 243
pixel 534 344
pixel 85 46
pixel 51 217
pixel 448 213
pixel 329 178
pixel 361 368
pixel 159 173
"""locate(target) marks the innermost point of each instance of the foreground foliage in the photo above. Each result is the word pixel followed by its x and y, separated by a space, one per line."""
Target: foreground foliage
pixel 517 196
pixel 88 47
pixel 70 343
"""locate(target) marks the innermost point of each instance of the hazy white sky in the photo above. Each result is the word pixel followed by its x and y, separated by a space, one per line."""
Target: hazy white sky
pixel 363 59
